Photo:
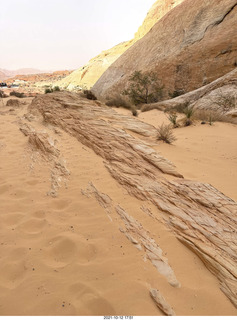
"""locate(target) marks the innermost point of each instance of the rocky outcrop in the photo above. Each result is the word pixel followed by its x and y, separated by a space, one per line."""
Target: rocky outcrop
pixel 45 146
pixel 14 103
pixel 87 75
pixel 161 302
pixel 201 217
pixel 191 46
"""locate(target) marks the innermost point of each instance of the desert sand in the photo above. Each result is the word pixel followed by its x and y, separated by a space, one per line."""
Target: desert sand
pixel 201 152
pixel 66 255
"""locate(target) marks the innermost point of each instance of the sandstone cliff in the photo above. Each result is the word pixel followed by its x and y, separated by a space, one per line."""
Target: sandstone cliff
pixel 192 45
pixel 87 75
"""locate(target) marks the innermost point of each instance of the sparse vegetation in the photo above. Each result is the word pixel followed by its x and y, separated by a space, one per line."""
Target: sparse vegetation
pixel 144 88
pixel 189 112
pixel 117 101
pixel 56 88
pixel 17 94
pixel 165 134
pixel 48 90
pixel 172 116
pixel 89 95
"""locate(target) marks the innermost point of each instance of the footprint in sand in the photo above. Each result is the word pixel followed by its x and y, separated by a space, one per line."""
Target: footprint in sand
pixel 12 273
pixel 33 226
pixel 39 214
pixel 32 182
pixel 20 194
pixel 18 254
pixel 63 250
pixel 60 204
pixel 89 301
pixel 12 219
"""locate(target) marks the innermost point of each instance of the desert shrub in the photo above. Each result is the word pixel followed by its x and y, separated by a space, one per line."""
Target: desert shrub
pixel 117 101
pixel 17 94
pixel 176 93
pixel 48 90
pixel 56 88
pixel 89 95
pixel 144 88
pixel 172 116
pixel 134 112
pixel 165 134
pixel 189 112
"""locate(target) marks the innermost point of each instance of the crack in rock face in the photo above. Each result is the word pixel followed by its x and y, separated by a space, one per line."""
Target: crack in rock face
pixel 202 218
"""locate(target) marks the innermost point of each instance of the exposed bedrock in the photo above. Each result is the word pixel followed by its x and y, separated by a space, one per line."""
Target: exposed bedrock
pixel 192 45
pixel 202 218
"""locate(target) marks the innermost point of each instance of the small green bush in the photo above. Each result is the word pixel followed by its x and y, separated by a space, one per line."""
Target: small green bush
pixel 48 90
pixel 56 88
pixel 144 88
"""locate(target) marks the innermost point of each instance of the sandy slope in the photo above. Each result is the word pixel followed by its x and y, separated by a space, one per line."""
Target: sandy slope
pixel 67 255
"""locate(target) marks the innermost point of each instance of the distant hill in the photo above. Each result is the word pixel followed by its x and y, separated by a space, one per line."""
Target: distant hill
pixel 4 73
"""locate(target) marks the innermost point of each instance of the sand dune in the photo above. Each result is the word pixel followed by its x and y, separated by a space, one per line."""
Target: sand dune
pixel 66 254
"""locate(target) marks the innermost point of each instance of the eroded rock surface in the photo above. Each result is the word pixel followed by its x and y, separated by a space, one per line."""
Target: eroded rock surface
pixel 202 218
pixel 161 302
pixel 45 146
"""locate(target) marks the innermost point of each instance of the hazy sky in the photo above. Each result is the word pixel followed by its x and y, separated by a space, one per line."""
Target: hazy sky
pixel 64 34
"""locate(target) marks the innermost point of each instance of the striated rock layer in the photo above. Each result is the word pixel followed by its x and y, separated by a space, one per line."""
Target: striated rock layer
pixel 201 217
pixel 87 75
pixel 192 45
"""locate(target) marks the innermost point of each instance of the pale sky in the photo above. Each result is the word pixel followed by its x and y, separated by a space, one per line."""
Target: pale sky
pixel 64 34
